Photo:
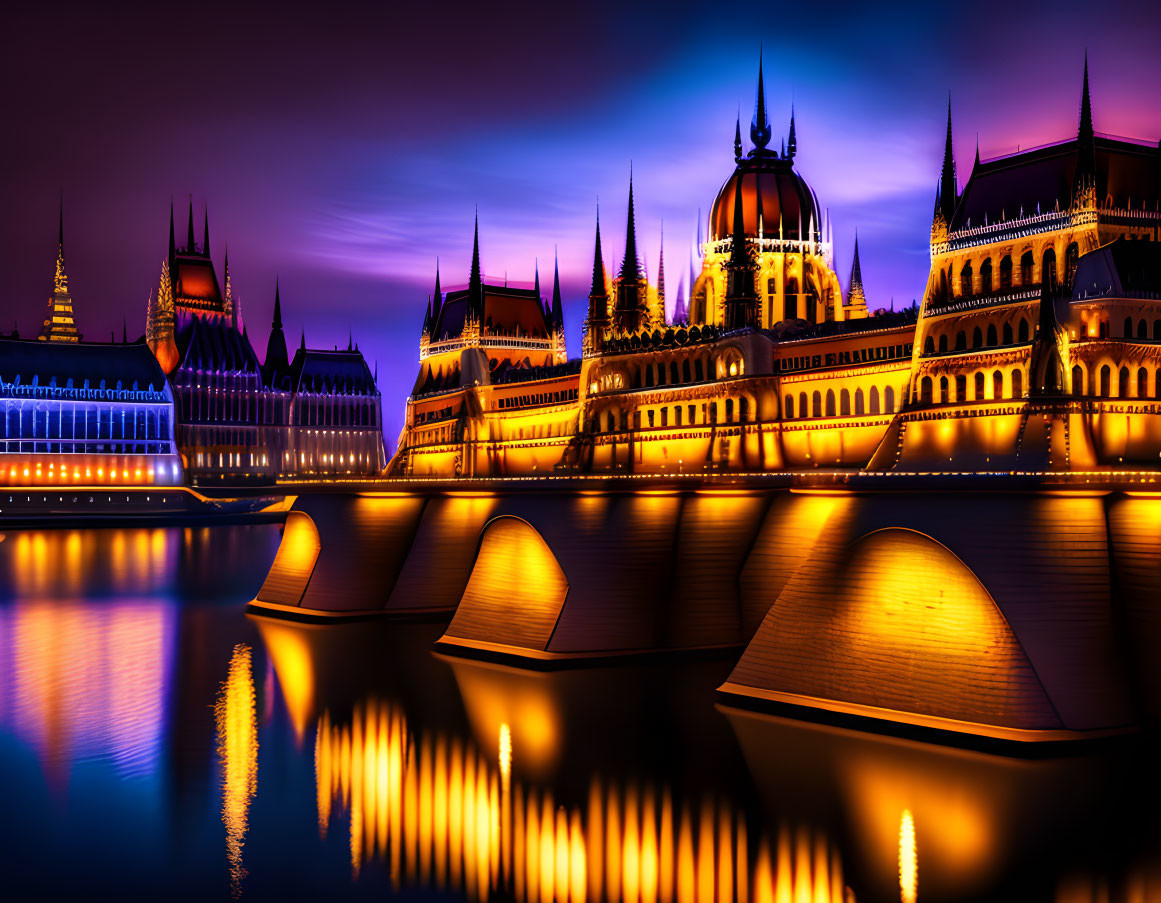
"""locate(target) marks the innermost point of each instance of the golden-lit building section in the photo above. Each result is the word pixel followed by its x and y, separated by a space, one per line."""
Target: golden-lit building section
pixel 237 728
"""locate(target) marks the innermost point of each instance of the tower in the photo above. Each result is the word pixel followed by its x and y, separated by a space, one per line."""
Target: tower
pixel 276 364
pixel 741 295
pixel 59 325
pixel 598 316
pixel 631 305
pixel 947 194
pixel 856 296
pixel 1084 192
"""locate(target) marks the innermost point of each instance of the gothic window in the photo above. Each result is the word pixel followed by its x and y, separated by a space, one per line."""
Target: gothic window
pixel 943 342
pixel 1142 383
pixel 925 390
pixel 788 408
pixel 888 400
pixel 977 338
pixel 1048 268
pixel 961 388
pixel 743 409
pixel 997 385
pixel 875 399
pixel 1142 330
pixel 960 340
pixel 1106 380
pixel 986 276
pixel 1157 384
pixel 802 412
pixel 1128 333
pixel 685 375
pixel 1077 380
pixel 992 340
pixel 845 403
pixel 1007 333
pixel 729 410
pixel 965 280
pixel 830 408
pixel 1005 273
pixel 698 370
pixel 859 409
pixel 943 390
pixel 929 345
pixel 1104 329
pixel 1157 330
pixel 979 385
pixel 1017 383
pixel 1123 383
pixel 677 415
pixel 665 416
pixel 1026 263
pixel 692 414
pixel 649 376
pixel 1023 330
pixel 673 373
pixel 1071 256
pixel 791 298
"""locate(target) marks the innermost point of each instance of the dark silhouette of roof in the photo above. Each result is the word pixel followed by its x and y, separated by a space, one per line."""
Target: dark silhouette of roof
pixel 1120 269
pixel 506 310
pixel 212 345
pixel 326 372
pixel 132 365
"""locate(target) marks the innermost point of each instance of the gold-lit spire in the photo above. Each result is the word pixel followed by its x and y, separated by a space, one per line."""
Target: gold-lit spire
pixel 59 324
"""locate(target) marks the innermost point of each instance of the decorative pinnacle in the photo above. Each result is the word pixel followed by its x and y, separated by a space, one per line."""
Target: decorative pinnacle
pixel 631 266
pixel 760 130
pixel 1086 130
pixel 598 287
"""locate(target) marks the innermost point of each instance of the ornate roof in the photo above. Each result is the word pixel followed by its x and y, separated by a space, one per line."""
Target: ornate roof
pixel 213 345
pixel 506 310
pixel 340 372
pixel 59 363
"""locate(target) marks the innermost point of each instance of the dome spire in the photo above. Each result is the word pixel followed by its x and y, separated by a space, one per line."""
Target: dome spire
pixel 760 125
pixel 792 142
pixel 738 138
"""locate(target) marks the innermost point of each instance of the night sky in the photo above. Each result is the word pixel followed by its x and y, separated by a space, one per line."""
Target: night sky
pixel 343 148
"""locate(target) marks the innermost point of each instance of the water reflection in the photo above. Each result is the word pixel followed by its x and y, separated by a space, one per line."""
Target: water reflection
pixel 234 714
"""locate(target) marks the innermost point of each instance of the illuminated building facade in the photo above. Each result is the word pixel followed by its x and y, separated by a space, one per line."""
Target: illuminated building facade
pixel 1035 345
pixel 83 414
pixel 1040 319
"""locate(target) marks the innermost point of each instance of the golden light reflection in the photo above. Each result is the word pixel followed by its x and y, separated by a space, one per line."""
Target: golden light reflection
pixel 288 646
pixel 438 813
pixel 908 861
pixel 238 755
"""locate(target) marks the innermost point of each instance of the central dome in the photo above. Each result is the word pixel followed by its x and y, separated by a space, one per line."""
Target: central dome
pixel 771 188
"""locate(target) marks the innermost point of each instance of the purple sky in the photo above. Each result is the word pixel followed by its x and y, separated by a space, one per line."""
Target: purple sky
pixel 344 148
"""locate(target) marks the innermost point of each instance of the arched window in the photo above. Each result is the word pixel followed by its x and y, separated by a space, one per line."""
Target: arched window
pixel 1104 329
pixel 673 377
pixel 1157 330
pixel 997 385
pixel 961 341
pixel 792 300
pixel 875 397
pixel 830 403
pixel 925 390
pixel 802 412
pixel 992 339
pixel 929 345
pixel 1007 333
pixel 1128 333
pixel 859 409
pixel 1123 383
pixel 612 422
pixel 986 276
pixel 649 376
pixel 788 408
pixel 942 285
pixel 979 385
pixel 816 405
pixel 1026 263
pixel 1142 330
pixel 1106 379
pixel 685 374
pixel 1017 383
pixel 943 342
pixel 977 338
pixel 1077 380
pixel 965 280
pixel 961 387
pixel 1142 383
pixel 677 415
pixel 888 400
pixel 1005 273
pixel 1023 336
pixel 698 370
pixel 1071 256
pixel 743 409
pixel 729 410
pixel 845 403
pixel 943 390
pixel 1048 269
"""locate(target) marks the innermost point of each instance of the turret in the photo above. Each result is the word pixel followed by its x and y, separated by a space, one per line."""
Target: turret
pixel 856 296
pixel 741 295
pixel 476 280
pixel 1084 193
pixel 598 314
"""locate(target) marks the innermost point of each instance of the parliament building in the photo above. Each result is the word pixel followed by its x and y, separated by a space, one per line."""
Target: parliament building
pixel 1035 347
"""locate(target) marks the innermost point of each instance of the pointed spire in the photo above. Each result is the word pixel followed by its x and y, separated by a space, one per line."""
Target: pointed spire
pixel 124 330
pixel 206 233
pixel 60 224
pixel 557 304
pixel 350 340
pixel 598 287
pixel 1085 132
pixel 977 162
pixel 760 130
pixel 190 247
pixel 436 298
pixel 856 295
pixel 661 269
pixel 475 280
pixel 631 266
pixel 536 280
pixel 792 143
pixel 738 138
pixel 60 280
pixel 948 187
pixel 172 242
pixel 277 323
pixel 302 340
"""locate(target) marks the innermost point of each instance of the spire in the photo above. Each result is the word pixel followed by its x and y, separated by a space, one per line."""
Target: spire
pixel 1085 132
pixel 277 323
pixel 977 162
pixel 856 296
pixel 475 281
pixel 760 125
pixel 231 307
pixel 598 287
pixel 741 297
pixel 1084 192
pixel 172 243
pixel 350 340
pixel 738 139
pixel 557 304
pixel 948 188
pixel 302 340
pixel 536 280
pixel 124 330
pixel 190 247
pixel 661 269
pixel 60 281
pixel 275 365
pixel 206 233
pixel 792 143
pixel 631 266
pixel 437 298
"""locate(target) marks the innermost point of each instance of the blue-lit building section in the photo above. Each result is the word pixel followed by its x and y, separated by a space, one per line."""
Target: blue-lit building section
pixel 85 414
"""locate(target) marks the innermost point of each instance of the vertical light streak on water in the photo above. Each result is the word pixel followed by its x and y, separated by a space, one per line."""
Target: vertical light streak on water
pixel 235 715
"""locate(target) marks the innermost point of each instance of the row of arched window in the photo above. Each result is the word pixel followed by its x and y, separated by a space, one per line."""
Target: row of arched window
pixel 967 283
pixel 1127 384
pixel 729 410
pixel 982 387
pixel 992 338
pixel 844 404
pixel 658 374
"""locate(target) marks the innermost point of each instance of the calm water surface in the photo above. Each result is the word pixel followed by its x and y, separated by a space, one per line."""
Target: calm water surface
pixel 158 743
